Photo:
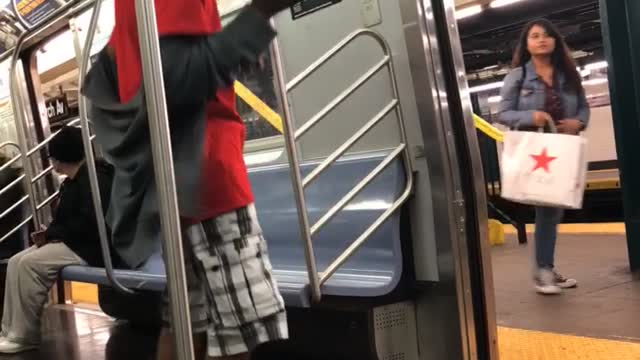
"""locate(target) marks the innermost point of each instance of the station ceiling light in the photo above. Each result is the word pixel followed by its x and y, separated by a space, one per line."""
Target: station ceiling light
pixel 596 66
pixel 468 11
pixel 500 3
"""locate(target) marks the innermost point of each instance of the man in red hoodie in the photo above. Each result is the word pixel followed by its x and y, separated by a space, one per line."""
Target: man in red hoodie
pixel 234 300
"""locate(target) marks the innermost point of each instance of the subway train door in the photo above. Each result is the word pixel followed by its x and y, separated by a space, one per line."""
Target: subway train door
pixel 453 303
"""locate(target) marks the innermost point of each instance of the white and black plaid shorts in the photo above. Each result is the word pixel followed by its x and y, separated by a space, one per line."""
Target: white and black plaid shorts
pixel 233 295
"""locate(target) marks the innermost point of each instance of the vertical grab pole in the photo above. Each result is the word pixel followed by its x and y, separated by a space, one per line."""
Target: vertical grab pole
pixel 18 111
pixel 164 173
pixel 88 151
pixel 296 178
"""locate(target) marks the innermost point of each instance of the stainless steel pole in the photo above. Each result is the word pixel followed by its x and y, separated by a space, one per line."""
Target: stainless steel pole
pixel 165 179
pixel 91 161
pixel 296 179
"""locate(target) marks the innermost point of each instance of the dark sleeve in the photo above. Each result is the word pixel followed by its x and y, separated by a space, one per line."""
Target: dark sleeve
pixel 195 67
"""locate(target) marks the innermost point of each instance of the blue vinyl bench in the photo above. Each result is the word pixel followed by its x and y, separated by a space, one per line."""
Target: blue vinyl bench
pixel 374 270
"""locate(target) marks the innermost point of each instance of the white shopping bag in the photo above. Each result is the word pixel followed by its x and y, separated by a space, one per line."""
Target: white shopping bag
pixel 543 169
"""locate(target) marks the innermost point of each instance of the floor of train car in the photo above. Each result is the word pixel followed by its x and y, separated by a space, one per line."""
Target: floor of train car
pixel 599 320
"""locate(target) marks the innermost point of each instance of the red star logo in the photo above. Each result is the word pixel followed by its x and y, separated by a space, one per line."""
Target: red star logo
pixel 542 161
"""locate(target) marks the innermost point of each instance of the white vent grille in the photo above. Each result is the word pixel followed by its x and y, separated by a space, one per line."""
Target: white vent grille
pixel 392 317
pixel 396 356
pixel 395 330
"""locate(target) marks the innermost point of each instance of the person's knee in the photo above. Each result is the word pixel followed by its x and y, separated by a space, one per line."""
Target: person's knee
pixel 26 263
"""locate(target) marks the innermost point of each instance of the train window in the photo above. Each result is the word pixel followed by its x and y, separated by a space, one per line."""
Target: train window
pixel 57 62
pixel 106 22
pixel 264 140
pixel 259 78
pixel 58 72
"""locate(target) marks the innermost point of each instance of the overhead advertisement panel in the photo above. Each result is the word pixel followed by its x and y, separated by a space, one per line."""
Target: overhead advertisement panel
pixel 31 12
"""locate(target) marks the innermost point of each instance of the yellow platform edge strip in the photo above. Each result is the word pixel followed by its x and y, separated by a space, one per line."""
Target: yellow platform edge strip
pixel 517 344
pixel 576 229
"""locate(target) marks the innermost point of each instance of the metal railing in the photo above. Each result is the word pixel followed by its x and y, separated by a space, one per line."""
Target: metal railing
pixel 21 178
pixel 19 110
pixel 165 178
pixel 316 279
pixel 160 144
pixel 90 158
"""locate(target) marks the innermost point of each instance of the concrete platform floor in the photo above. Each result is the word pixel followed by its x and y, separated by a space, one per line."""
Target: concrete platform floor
pixel 605 305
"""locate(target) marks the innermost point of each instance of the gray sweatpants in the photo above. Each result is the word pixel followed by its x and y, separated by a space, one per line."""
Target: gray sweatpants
pixel 30 275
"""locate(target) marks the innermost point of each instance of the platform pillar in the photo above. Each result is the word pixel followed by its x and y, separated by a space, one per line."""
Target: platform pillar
pixel 621 36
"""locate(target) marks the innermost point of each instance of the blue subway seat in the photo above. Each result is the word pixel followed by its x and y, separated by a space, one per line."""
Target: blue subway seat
pixel 374 270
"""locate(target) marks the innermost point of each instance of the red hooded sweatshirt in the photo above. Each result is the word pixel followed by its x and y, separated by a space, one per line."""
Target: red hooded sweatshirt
pixel 225 184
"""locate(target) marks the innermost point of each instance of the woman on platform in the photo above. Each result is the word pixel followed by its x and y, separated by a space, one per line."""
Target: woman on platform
pixel 544 88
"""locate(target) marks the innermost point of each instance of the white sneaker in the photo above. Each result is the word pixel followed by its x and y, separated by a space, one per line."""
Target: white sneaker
pixel 9 347
pixel 563 282
pixel 545 283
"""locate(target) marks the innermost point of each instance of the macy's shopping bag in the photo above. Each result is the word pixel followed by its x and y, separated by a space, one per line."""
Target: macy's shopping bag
pixel 543 169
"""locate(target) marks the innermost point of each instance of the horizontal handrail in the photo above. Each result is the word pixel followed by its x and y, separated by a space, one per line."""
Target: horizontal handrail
pixel 14 206
pixel 18 227
pixel 15 158
pixel 395 104
pixel 351 249
pixel 10 162
pixel 12 184
pixel 48 200
pixel 342 97
pixel 9 143
pixel 488 129
pixel 349 143
pixel 44 173
pixel 311 69
pixel 357 189
pixel 258 105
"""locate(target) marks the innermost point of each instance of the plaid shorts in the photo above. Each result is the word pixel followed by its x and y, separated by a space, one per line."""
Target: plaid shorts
pixel 232 293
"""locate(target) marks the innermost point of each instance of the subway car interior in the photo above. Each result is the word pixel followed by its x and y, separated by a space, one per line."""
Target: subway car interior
pixel 373 148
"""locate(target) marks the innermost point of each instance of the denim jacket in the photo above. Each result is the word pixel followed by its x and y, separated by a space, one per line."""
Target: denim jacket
pixel 522 96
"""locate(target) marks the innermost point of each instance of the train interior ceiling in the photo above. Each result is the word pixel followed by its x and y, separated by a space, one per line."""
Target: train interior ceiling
pixel 594 321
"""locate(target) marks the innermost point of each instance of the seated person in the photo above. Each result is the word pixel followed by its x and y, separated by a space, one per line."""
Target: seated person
pixel 71 239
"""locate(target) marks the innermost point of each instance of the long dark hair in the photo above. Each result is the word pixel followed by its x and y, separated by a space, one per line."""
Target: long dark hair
pixel 560 58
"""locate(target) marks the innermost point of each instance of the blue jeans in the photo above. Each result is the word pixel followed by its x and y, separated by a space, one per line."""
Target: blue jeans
pixel 547 220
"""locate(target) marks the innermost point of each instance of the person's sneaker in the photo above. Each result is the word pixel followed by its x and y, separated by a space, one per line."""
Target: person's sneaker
pixel 9 347
pixel 545 283
pixel 563 282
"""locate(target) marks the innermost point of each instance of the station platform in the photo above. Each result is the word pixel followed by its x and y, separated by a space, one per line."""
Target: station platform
pixel 598 320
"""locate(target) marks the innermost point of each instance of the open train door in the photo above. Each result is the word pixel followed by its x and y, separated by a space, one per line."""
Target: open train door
pixel 455 168
pixel 451 301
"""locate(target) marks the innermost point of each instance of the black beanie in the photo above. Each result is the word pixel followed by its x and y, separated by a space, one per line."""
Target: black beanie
pixel 67 146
